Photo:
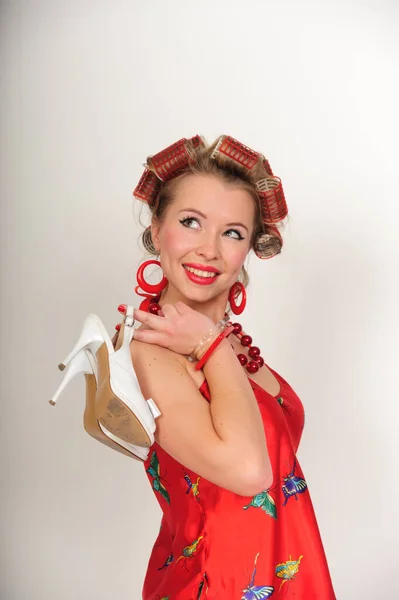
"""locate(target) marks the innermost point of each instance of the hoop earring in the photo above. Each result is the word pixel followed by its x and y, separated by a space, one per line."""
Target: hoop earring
pixel 149 289
pixel 236 289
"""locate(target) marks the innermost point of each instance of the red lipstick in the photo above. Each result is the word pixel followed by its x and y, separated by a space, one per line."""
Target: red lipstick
pixel 197 278
pixel 202 267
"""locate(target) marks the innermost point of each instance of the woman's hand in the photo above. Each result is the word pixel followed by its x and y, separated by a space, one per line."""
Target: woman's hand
pixel 179 329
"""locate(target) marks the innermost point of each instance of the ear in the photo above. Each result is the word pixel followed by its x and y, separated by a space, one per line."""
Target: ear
pixel 155 227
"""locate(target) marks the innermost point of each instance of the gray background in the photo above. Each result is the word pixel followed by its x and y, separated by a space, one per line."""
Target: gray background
pixel 88 90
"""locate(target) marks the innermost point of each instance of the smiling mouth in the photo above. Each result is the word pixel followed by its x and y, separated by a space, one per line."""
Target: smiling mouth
pixel 199 273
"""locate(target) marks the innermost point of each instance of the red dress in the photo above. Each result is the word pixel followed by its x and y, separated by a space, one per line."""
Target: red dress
pixel 216 545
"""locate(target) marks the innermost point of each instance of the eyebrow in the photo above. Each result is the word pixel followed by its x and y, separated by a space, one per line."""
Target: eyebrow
pixel 204 217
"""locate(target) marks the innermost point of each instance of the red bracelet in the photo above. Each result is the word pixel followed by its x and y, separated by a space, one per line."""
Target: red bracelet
pixel 213 346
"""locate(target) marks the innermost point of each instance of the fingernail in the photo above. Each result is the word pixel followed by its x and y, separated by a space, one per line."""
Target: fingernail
pixel 117 327
pixel 122 308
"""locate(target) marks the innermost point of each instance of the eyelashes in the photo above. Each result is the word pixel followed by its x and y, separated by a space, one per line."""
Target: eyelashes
pixel 186 220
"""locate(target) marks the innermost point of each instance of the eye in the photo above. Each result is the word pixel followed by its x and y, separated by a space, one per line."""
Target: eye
pixel 193 223
pixel 186 222
pixel 239 236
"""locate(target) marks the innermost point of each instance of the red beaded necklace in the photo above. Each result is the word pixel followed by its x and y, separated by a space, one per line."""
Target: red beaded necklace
pixel 252 365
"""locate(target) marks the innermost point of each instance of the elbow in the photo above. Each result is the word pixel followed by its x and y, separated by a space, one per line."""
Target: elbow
pixel 255 486
pixel 255 480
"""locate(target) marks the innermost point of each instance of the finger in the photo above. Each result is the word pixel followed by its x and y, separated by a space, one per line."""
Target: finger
pixel 153 321
pixel 122 308
pixel 182 308
pixel 169 310
pixel 149 336
pixel 115 339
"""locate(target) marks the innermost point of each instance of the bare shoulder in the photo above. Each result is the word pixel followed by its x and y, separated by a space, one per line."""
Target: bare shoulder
pixel 154 363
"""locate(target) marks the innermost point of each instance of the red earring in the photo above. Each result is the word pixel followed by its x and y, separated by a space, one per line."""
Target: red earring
pixel 236 289
pixel 149 289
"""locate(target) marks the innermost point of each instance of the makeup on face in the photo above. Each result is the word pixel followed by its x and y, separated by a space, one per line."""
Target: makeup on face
pixel 227 225
pixel 206 232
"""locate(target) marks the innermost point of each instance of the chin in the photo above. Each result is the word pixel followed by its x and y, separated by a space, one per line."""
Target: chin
pixel 198 293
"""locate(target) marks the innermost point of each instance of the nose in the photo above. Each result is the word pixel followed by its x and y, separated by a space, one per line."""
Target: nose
pixel 209 247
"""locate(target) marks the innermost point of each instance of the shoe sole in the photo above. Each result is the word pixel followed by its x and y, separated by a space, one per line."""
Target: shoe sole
pixel 112 412
pixel 90 422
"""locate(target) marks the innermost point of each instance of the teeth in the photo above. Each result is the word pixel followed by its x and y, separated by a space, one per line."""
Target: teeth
pixel 200 273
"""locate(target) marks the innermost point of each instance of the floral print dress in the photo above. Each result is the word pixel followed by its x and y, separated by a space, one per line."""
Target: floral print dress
pixel 216 545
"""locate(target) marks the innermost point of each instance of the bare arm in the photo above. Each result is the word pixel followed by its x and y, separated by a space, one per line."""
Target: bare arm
pixel 224 440
pixel 234 409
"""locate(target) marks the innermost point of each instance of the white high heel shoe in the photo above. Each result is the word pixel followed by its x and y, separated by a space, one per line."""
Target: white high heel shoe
pixel 120 406
pixel 84 362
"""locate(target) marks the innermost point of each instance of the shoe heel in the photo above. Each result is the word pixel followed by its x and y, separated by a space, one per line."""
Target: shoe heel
pixel 90 336
pixel 79 364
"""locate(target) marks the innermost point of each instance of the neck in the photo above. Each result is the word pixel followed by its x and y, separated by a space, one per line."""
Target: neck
pixel 214 309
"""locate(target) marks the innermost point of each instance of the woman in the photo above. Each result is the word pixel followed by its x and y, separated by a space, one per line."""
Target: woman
pixel 238 521
pixel 237 517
